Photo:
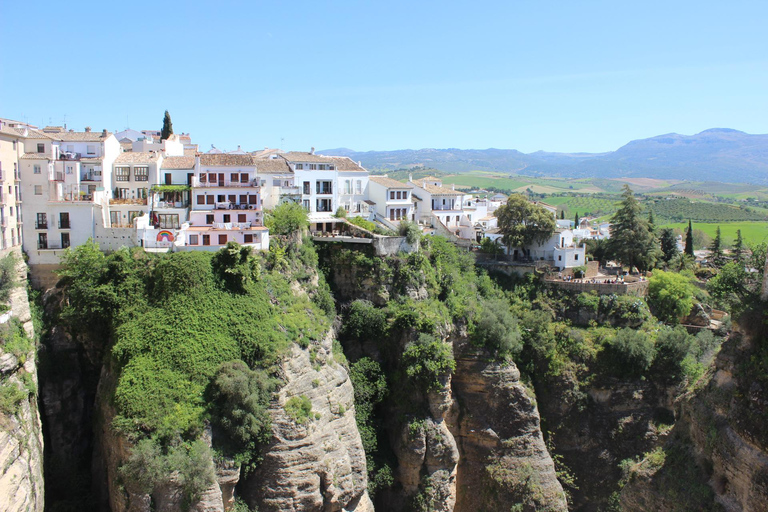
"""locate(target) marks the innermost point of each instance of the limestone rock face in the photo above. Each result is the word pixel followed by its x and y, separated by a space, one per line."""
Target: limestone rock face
pixel 21 438
pixel 504 460
pixel 315 462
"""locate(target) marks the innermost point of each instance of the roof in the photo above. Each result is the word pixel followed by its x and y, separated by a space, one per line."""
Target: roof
pixel 92 160
pixel 298 156
pixel 389 182
pixel 178 162
pixel 36 156
pixel 136 158
pixel 190 152
pixel 439 191
pixel 227 160
pixel 80 136
pixel 272 166
pixel 31 133
pixel 344 163
pixel 263 153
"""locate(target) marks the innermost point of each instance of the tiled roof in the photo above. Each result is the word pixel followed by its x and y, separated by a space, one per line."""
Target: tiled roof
pixel 19 132
pixel 226 160
pixel 80 136
pixel 440 191
pixel 272 166
pixel 300 157
pixel 190 152
pixel 93 160
pixel 127 146
pixel 36 156
pixel 178 162
pixel 263 153
pixel 389 182
pixel 344 163
pixel 136 158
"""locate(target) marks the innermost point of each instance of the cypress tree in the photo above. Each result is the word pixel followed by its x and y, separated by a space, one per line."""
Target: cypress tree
pixel 738 246
pixel 562 214
pixel 167 130
pixel 716 248
pixel 576 221
pixel 689 240
pixel 651 223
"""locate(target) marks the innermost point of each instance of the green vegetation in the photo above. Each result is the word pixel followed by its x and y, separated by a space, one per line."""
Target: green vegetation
pixel 8 277
pixel 287 218
pixel 670 295
pixel 167 130
pixel 361 222
pixel 299 409
pixel 632 242
pixel 523 223
pixel 196 337
pixel 428 360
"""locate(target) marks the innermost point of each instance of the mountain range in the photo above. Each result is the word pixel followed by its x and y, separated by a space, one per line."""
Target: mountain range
pixel 717 154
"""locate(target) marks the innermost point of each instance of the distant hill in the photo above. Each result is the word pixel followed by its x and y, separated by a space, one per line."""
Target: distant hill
pixel 718 154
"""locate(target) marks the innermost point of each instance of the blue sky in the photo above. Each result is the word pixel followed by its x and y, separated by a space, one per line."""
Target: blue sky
pixel 529 75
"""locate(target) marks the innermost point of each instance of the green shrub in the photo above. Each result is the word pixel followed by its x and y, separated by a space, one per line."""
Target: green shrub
pixel 673 346
pixel 299 409
pixel 632 352
pixel 361 222
pixel 11 395
pixel 8 276
pixel 427 360
pixel 365 321
pixel 240 398
pixel 286 218
pixel 670 295
pixel 410 230
pixel 497 329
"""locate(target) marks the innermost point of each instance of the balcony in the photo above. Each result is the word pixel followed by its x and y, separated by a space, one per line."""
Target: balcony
pixel 196 182
pixel 232 225
pixel 69 156
pixel 41 225
pixel 91 176
pixel 226 205
pixel 170 204
pixel 142 201
pixel 291 191
pixel 324 191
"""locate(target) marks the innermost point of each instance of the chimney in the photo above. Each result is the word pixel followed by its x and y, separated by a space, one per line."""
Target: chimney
pixel 312 151
pixel 104 132
pixel 87 129
pixel 238 147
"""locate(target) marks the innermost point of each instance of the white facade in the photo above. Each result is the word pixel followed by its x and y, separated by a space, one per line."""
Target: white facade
pixel 393 200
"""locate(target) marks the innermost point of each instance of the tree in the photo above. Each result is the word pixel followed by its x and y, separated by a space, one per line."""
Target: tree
pixel 631 241
pixel 716 249
pixel 576 221
pixel 167 130
pixel 730 288
pixel 738 247
pixel 689 239
pixel 668 242
pixel 562 214
pixel 522 223
pixel 286 219
pixel 670 295
pixel 651 223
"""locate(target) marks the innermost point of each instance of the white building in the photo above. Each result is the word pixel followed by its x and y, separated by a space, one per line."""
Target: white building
pixel 393 200
pixel 12 137
pixel 436 204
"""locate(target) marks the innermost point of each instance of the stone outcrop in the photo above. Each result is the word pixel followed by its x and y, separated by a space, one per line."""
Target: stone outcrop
pixel 503 459
pixel 21 439
pixel 315 462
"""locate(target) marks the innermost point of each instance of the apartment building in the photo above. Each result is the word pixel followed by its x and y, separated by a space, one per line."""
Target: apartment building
pixel 12 137
pixel 392 200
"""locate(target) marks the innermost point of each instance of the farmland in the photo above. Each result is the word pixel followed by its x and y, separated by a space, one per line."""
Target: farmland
pixel 752 232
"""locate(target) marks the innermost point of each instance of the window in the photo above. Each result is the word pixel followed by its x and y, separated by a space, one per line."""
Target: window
pixel 42 240
pixel 347 186
pixel 358 187
pixel 141 173
pixel 232 198
pixel 70 169
pixel 227 218
pixel 243 177
pixel 193 240
pixel 91 150
pixel 202 177
pixel 37 169
pixel 299 167
pixel 132 215
pixel 212 177
pixel 64 220
pixel 168 220
pixel 222 239
pixel 391 194
pixel 200 199
pixel 306 188
pixel 14 145
pixel 253 199
pixel 114 219
pixel 41 221
pixel 305 204
pixel 234 177
pixel 41 148
pixel 576 257
pixel 247 238
pixel 70 148
pixel 64 240
pixel 38 190
pixel 241 217
pixel 243 199
pixel 210 200
pixel 122 193
pixel 312 167
pixel 206 239
pixel 122 173
pixel 405 194
pixel 209 219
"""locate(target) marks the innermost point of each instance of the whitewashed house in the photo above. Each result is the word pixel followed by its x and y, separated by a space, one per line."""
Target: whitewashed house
pixel 393 200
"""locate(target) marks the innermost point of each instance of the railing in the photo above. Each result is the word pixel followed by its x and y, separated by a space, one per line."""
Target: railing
pixel 197 182
pixel 69 156
pixel 41 225
pixel 231 225
pixel 171 204
pixel 443 208
pixel 91 177
pixel 226 205
pixel 325 191
pixel 290 190
pixel 46 245
pixel 64 225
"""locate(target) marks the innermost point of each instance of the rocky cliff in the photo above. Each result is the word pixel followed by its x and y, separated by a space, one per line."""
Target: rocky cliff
pixel 21 440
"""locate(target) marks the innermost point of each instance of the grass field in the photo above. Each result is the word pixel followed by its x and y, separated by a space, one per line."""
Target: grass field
pixel 752 232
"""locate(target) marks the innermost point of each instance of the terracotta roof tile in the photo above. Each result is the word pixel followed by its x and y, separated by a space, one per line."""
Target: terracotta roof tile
pixel 227 160
pixel 301 157
pixel 80 136
pixel 344 163
pixel 178 162
pixel 36 156
pixel 389 182
pixel 272 166
pixel 136 158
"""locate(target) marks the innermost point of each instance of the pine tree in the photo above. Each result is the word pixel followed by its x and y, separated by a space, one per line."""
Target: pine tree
pixel 668 242
pixel 689 240
pixel 738 246
pixel 716 249
pixel 167 126
pixel 631 242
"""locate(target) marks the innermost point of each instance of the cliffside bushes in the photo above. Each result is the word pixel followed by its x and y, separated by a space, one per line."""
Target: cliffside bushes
pixel 193 338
